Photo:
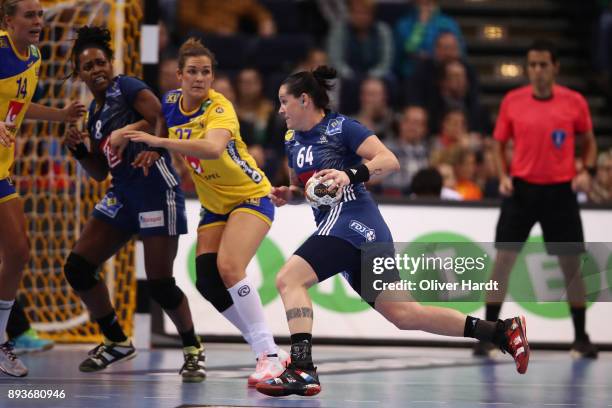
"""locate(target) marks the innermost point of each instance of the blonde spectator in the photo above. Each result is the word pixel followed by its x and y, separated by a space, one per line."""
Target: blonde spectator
pixel 601 189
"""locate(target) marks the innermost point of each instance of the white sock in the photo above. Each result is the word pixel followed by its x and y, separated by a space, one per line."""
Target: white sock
pixel 248 304
pixel 5 312
pixel 231 314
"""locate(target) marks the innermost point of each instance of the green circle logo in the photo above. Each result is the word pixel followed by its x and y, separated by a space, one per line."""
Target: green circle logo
pixel 537 277
pixel 441 286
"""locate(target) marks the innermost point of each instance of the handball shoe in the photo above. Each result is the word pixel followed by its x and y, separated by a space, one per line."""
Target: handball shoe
pixel 583 348
pixel 105 354
pixel 515 342
pixel 193 369
pixel 269 366
pixel 10 364
pixel 29 342
pixel 292 381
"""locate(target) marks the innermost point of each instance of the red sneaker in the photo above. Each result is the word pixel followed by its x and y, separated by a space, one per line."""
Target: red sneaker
pixel 516 342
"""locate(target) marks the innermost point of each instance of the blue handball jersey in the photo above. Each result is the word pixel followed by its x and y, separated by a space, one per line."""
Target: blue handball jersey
pixel 332 144
pixel 116 113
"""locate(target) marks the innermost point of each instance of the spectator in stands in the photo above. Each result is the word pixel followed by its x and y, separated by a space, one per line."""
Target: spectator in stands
pixel 424 82
pixel 360 46
pixel 464 166
pixel 375 112
pixel 416 33
pixel 454 93
pixel 167 79
pixel 453 133
pixel 449 183
pixel 224 17
pixel 411 150
pixel 427 183
pixel 255 109
pixel 315 57
pixel 601 190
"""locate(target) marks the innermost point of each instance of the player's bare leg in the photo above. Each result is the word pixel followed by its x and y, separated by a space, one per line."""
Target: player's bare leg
pixel 97 243
pixel 160 252
pixel 300 378
pixel 15 253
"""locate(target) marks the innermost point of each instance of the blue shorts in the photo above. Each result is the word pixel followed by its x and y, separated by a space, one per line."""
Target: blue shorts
pixel 259 207
pixel 7 190
pixel 144 211
pixel 358 222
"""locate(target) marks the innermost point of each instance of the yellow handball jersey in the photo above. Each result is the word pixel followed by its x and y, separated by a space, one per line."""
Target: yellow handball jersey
pixel 18 79
pixel 223 183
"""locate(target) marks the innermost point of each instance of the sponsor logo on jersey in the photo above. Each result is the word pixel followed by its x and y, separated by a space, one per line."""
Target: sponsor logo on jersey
pixel 109 205
pixel 172 98
pixel 289 135
pixel 14 109
pixel 334 126
pixel 151 219
pixel 3 43
pixel 219 109
pixel 194 163
pixel 114 91
pixel 34 51
pixel 112 159
pixel 252 201
pixel 558 137
pixel 323 139
pixel 368 233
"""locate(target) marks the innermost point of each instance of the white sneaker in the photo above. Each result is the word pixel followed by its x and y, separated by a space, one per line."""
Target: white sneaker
pixel 268 367
pixel 10 364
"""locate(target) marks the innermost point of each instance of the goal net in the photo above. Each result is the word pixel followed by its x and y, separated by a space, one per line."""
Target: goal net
pixel 58 197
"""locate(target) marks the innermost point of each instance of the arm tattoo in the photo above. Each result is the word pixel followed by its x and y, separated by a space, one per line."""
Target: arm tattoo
pixel 299 312
pixel 376 172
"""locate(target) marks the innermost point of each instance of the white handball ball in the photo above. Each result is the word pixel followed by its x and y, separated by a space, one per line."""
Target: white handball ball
pixel 319 196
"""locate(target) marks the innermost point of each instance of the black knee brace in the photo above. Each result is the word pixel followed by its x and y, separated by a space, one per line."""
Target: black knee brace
pixel 210 284
pixel 79 273
pixel 165 292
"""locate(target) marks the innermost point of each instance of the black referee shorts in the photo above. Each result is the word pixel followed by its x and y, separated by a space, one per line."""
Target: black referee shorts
pixel 554 206
pixel 329 255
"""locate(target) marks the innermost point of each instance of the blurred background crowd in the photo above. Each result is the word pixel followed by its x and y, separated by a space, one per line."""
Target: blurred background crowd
pixel 426 76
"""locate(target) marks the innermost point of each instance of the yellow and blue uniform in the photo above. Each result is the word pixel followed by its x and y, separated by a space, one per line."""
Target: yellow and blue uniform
pixel 18 79
pixel 233 182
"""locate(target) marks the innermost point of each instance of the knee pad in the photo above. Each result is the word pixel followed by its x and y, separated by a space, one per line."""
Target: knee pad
pixel 210 284
pixel 80 273
pixel 165 292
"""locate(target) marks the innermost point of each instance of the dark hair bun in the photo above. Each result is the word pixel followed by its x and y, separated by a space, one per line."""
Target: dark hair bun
pixel 94 35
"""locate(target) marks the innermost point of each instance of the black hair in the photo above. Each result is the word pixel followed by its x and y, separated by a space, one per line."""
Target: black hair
pixel 545 45
pixel 427 182
pixel 314 83
pixel 91 37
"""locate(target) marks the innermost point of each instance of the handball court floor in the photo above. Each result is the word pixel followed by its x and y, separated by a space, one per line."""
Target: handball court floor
pixel 361 377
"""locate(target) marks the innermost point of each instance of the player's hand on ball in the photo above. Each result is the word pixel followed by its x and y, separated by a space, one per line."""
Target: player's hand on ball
pixel 280 195
pixel 322 194
pixel 74 137
pixel 74 112
pixel 145 159
pixel 338 178
pixel 6 136
pixel 143 137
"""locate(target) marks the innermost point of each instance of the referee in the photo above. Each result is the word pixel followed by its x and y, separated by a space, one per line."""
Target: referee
pixel 543 120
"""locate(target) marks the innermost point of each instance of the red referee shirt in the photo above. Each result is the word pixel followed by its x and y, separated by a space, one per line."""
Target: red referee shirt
pixel 543 132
